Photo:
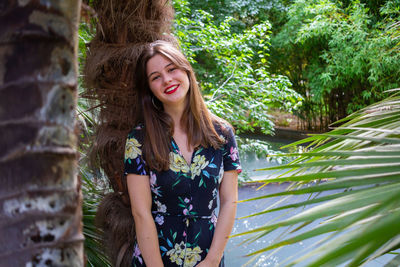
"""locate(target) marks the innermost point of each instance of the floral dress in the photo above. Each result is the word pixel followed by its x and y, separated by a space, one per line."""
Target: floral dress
pixel 184 198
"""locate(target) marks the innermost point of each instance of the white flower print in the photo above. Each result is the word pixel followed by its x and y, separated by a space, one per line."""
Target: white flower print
pixel 214 192
pixel 221 173
pixel 210 204
pixel 192 256
pixel 177 253
pixel 160 207
pixel 153 184
pixel 177 163
pixel 188 256
pixel 199 163
pixel 132 148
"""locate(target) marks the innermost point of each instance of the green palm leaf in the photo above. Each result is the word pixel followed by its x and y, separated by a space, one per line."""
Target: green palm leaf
pixel 356 197
pixel 92 193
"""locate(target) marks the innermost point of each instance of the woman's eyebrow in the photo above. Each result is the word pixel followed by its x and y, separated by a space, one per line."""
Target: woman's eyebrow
pixel 166 66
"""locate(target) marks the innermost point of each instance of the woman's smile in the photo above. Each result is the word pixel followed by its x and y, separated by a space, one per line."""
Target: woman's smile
pixel 171 89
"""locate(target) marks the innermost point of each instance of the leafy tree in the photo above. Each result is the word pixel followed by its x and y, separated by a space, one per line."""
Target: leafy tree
pixel 246 12
pixel 40 218
pixel 355 195
pixel 338 55
pixel 233 68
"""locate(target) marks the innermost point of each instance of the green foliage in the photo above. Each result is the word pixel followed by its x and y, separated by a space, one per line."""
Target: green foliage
pixel 92 189
pixel 93 192
pixel 338 54
pixel 354 195
pixel 246 12
pixel 233 68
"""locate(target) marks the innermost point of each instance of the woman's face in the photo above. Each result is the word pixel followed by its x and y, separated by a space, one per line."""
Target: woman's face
pixel 167 82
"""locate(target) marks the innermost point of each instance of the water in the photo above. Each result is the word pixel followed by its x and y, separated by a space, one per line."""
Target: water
pixel 250 161
pixel 235 251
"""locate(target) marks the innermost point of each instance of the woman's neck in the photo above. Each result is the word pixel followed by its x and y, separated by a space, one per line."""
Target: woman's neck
pixel 175 112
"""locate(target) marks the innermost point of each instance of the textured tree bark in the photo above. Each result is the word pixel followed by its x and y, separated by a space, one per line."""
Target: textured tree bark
pixel 40 198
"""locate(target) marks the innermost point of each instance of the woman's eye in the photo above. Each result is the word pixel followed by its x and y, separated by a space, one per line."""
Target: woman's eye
pixel 155 78
pixel 171 69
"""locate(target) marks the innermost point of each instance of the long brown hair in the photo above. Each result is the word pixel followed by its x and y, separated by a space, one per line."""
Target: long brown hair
pixel 196 119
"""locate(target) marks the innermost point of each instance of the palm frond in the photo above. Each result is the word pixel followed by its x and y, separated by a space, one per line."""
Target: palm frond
pixel 92 193
pixel 356 197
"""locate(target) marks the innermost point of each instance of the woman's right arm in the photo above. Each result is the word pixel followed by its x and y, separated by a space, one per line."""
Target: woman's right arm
pixel 146 232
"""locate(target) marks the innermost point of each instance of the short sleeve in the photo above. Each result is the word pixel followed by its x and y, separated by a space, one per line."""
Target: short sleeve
pixel 231 159
pixel 133 158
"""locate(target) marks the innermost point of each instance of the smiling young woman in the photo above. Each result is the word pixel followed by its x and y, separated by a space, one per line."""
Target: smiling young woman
pixel 178 158
pixel 168 83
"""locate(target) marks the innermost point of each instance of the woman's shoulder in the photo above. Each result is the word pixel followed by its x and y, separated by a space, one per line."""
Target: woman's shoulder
pixel 221 126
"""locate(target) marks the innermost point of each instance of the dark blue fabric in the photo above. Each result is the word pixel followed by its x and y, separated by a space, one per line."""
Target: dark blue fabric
pixel 184 198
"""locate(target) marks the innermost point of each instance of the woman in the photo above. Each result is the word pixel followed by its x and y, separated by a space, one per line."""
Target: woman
pixel 177 160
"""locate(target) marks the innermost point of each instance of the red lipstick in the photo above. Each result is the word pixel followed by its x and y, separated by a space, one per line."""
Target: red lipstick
pixel 171 89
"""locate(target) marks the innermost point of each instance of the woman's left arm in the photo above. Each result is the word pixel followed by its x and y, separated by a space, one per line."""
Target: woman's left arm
pixel 228 194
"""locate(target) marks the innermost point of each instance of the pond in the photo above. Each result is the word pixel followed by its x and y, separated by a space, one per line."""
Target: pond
pixel 235 251
pixel 272 145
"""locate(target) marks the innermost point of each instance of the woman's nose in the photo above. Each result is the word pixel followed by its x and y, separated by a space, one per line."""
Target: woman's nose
pixel 167 79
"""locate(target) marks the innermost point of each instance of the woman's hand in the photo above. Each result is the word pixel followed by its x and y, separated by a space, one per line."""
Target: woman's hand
pixel 208 263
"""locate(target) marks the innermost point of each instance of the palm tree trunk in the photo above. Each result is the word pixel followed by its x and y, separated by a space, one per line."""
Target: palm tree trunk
pixel 40 198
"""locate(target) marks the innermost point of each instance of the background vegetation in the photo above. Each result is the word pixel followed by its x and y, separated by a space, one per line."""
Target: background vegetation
pixel 232 65
pixel 337 54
